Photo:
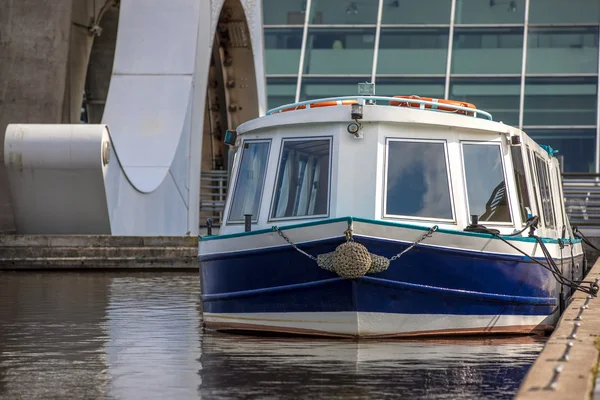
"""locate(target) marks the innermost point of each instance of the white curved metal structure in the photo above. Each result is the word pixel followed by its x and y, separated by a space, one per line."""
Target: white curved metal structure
pixel 155 118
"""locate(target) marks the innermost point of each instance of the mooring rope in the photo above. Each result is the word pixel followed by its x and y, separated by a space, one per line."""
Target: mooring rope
pixel 351 259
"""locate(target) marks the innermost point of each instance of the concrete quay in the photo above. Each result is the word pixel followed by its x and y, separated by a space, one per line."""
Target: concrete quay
pixel 567 367
pixel 97 252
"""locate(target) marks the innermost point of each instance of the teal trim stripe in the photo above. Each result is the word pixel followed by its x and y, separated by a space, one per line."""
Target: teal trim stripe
pixel 283 228
pixel 384 223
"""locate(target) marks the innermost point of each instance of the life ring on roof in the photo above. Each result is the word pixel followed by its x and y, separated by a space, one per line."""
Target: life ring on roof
pixel 322 104
pixel 434 107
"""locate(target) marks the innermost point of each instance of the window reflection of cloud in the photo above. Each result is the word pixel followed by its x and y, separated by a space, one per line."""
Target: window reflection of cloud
pixel 429 160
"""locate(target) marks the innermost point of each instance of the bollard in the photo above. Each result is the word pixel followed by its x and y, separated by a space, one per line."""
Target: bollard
pixel 565 356
pixel 587 301
pixel 573 334
pixel 578 317
pixel 554 381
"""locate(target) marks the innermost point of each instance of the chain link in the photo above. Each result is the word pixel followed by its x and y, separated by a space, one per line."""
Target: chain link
pixel 276 229
pixel 419 240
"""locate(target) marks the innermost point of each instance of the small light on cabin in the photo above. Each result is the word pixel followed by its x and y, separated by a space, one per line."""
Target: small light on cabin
pixel 515 140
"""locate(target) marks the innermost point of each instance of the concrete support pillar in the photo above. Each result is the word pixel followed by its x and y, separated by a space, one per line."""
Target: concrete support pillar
pixel 34 45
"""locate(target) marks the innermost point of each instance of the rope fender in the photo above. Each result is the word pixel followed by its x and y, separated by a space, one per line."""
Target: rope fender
pixel 352 260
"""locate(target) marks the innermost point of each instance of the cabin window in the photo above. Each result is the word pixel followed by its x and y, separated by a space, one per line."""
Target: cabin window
pixel 545 191
pixel 561 202
pixel 250 180
pixel 521 180
pixel 302 187
pixel 533 183
pixel 486 186
pixel 417 183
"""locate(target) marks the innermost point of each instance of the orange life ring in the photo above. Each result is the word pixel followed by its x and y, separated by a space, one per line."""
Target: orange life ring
pixel 321 104
pixel 429 106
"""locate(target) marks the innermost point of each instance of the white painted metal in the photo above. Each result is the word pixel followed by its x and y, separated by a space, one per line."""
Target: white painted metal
pixel 369 324
pixel 358 165
pixel 404 234
pixel 303 49
pixel 156 37
pixel 155 111
pixel 524 65
pixel 146 114
pixel 450 47
pixel 45 165
pixel 377 36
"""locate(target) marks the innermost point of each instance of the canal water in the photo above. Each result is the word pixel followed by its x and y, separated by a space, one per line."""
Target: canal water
pixel 138 336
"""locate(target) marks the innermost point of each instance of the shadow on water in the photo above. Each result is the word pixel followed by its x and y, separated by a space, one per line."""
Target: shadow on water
pixel 138 335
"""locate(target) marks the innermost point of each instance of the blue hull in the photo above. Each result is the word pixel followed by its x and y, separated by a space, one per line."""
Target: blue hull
pixel 425 280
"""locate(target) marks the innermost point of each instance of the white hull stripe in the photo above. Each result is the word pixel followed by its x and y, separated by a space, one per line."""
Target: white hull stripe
pixel 370 324
pixel 397 233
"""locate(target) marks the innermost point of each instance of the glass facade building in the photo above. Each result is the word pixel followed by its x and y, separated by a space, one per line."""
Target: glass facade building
pixel 533 64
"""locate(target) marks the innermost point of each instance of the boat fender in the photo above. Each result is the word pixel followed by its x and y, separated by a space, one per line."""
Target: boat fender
pixel 352 260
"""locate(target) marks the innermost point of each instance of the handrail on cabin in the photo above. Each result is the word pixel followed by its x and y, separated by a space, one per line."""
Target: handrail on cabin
pixel 367 99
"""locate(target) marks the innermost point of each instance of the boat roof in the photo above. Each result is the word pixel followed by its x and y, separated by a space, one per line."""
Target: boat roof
pixel 413 110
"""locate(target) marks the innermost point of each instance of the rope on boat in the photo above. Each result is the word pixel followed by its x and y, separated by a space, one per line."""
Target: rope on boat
pixel 551 265
pixel 352 260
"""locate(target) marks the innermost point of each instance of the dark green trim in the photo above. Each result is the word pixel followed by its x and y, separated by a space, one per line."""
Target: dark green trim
pixel 383 223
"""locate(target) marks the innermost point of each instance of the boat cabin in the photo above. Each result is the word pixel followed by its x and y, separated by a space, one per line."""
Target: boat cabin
pixel 410 160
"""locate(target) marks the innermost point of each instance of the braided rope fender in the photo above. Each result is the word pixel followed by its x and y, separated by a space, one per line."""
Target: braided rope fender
pixel 352 260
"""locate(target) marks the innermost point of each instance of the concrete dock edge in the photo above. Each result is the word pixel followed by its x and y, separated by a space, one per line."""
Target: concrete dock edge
pixel 567 366
pixel 97 252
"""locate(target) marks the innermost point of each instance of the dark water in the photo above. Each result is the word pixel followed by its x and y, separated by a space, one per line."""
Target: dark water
pixel 138 336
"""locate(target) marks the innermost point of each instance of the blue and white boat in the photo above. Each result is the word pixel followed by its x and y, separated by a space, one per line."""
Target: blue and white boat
pixel 370 216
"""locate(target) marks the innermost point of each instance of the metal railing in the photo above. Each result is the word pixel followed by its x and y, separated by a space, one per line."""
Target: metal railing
pixel 386 101
pixel 582 198
pixel 213 191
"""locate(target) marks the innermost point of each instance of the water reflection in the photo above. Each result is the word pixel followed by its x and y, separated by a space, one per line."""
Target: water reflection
pixel 244 367
pixel 129 336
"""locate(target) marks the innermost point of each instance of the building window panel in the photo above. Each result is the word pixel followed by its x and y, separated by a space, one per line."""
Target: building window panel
pixel 339 51
pixel 490 11
pixel 424 87
pixel 280 91
pixel 560 101
pixel 563 12
pixel 416 12
pixel 337 12
pixel 576 147
pixel 487 51
pixel 282 50
pixel 284 12
pixel 499 97
pixel 412 51
pixel 316 88
pixel 562 50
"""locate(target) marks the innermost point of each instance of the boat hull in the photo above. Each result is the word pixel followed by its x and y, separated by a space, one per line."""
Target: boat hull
pixel 433 289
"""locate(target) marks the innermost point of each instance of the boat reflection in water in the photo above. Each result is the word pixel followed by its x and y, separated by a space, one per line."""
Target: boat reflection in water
pixel 276 367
